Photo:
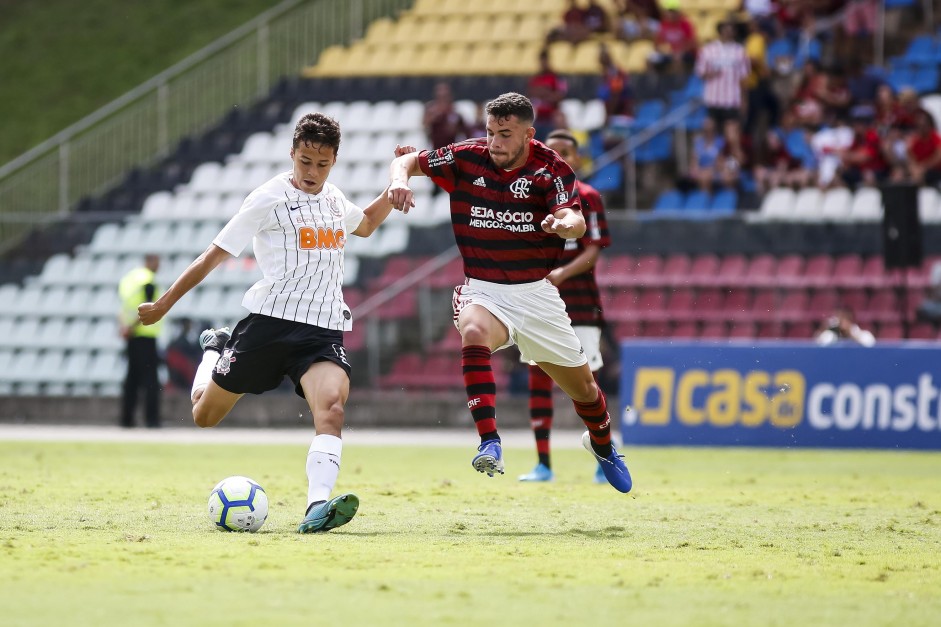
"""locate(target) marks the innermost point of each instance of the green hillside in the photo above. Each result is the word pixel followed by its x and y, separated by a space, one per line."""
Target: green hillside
pixel 61 60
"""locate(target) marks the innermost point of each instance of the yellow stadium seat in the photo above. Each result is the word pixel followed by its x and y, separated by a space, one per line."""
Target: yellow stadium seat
pixel 427 60
pixel 586 58
pixel 474 29
pixel 561 56
pixel 454 59
pixel 380 30
pixel 631 57
pixel 531 28
pixel 332 62
pixel 504 28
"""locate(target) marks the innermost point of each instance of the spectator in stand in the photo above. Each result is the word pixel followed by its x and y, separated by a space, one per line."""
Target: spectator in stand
pixel 924 151
pixel 790 16
pixel 763 108
pixel 886 107
pixel 443 124
pixel 478 127
pixel 818 92
pixel 707 146
pixel 762 12
pixel 735 158
pixel 863 163
pixel 545 90
pixel 906 114
pixel 596 19
pixel 777 167
pixel 638 19
pixel 860 22
pixel 676 40
pixel 723 66
pixel 615 91
pixel 841 326
pixel 829 144
pixel 573 29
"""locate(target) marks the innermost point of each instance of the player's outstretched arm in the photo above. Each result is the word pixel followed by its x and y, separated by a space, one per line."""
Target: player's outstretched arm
pixel 567 223
pixel 150 313
pixel 375 214
pixel 403 167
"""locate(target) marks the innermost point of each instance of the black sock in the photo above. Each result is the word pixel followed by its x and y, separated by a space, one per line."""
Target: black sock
pixel 490 435
pixel 544 460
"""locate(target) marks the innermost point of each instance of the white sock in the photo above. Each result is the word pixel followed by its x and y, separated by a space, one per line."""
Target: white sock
pixel 323 466
pixel 204 372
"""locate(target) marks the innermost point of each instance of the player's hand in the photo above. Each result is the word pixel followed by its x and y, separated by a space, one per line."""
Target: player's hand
pixel 149 313
pixel 553 225
pixel 401 196
pixel 555 277
pixel 404 150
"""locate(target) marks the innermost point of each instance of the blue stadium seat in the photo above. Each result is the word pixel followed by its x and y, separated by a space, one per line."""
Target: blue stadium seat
pixel 670 200
pixel 659 148
pixel 895 4
pixel 648 113
pixel 926 79
pixel 724 201
pixel 610 178
pixel 900 78
pixel 697 200
pixel 920 50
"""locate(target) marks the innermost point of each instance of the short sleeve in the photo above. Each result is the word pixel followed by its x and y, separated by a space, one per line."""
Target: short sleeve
pixel 440 166
pixel 243 226
pixel 561 192
pixel 352 213
pixel 596 231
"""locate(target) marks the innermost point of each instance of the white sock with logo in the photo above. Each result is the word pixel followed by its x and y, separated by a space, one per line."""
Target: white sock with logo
pixel 204 372
pixel 323 466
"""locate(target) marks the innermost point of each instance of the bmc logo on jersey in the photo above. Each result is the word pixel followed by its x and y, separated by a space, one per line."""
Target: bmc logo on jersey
pixel 320 238
pixel 520 188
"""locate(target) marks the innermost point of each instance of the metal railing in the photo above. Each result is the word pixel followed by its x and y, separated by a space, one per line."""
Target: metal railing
pixel 146 123
pixel 624 152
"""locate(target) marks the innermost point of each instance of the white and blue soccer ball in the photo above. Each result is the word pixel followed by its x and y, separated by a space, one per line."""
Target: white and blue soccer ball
pixel 238 504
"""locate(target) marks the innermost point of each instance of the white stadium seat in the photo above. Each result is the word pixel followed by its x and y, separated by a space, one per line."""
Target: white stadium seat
pixel 206 177
pixel 837 204
pixel 778 204
pixel 929 205
pixel 410 116
pixel 867 205
pixel 158 206
pixel 467 109
pixel 593 116
pixel 808 204
pixel 381 114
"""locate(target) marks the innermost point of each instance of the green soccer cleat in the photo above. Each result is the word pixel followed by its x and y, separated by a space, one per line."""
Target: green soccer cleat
pixel 329 514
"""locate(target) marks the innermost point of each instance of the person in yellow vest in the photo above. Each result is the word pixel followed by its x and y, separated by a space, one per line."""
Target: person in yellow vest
pixel 136 287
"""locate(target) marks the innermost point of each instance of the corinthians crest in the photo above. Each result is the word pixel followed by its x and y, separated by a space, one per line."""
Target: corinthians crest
pixel 224 365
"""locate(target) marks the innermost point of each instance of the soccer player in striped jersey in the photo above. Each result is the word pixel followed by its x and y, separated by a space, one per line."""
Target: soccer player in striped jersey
pixel 298 224
pixel 575 278
pixel 513 205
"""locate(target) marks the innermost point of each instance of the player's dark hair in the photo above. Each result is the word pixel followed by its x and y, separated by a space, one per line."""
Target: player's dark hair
pixel 317 128
pixel 561 133
pixel 511 103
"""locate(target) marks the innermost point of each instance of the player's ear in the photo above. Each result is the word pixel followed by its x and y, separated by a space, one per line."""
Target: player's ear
pixel 292 153
pixel 530 132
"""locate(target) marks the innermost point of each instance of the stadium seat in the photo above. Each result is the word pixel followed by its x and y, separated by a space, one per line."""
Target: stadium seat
pixel 714 330
pixel 808 204
pixel 742 330
pixel 778 204
pixel 789 270
pixel 837 204
pixel 847 269
pixel 724 201
pixel 675 269
pixel 670 201
pixel 929 205
pixel 818 270
pixel 760 272
pixel 731 270
pixel 703 270
pixel 867 205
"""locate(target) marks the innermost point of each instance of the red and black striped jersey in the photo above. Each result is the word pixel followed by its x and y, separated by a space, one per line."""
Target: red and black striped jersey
pixel 496 214
pixel 580 292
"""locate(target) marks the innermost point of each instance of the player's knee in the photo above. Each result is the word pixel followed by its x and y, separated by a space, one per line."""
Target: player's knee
pixel 202 417
pixel 475 335
pixel 587 392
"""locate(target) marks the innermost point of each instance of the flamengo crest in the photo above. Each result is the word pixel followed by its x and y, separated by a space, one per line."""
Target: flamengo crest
pixel 520 188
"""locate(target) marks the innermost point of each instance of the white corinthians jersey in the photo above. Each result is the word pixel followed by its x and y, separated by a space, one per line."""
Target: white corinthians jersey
pixel 298 240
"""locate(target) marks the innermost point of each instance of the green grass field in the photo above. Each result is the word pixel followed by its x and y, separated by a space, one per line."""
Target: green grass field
pixel 117 534
pixel 60 60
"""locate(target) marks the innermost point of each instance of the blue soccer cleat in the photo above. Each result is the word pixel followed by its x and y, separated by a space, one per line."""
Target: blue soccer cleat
pixel 613 466
pixel 330 514
pixel 540 473
pixel 489 458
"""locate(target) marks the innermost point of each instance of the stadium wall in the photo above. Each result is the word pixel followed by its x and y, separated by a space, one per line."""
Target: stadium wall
pixel 781 394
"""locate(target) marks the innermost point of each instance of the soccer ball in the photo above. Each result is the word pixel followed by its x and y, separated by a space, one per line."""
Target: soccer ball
pixel 238 504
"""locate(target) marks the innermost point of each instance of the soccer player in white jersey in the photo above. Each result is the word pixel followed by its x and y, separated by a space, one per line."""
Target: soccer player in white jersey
pixel 298 224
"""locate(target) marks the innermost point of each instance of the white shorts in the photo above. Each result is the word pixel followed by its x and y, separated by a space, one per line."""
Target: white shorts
pixel 590 337
pixel 534 316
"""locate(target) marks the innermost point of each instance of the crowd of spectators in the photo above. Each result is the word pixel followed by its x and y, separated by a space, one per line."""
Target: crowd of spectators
pixel 789 87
